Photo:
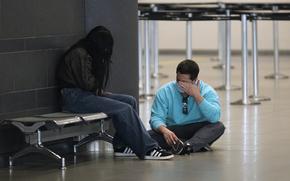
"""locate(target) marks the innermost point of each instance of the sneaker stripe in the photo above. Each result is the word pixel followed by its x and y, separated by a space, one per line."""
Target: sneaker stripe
pixel 158 154
pixel 128 150
pixel 153 152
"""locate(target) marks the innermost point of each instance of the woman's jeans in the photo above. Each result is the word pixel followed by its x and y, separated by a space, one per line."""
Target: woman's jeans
pixel 121 108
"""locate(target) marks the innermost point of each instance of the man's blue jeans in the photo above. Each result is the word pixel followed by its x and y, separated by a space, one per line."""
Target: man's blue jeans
pixel 121 108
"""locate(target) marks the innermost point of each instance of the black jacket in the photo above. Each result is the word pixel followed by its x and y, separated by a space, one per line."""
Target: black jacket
pixel 75 71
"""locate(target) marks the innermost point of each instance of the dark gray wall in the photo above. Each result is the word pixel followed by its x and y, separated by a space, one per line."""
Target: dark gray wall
pixel 33 36
pixel 35 33
pixel 121 18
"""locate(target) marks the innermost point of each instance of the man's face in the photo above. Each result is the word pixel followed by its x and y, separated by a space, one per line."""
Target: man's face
pixel 185 78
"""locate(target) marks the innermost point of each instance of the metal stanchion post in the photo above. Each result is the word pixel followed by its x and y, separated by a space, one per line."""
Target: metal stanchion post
pixel 189 38
pixel 223 26
pixel 256 95
pixel 147 60
pixel 222 44
pixel 245 100
pixel 140 67
pixel 147 86
pixel 276 74
pixel 155 46
pixel 152 46
pixel 154 55
pixel 219 41
pixel 155 49
pixel 227 70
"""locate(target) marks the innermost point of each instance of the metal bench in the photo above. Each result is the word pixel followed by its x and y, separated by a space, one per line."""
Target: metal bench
pixel 38 129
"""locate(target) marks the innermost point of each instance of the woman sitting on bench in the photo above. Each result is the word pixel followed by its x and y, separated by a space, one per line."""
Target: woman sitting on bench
pixel 83 75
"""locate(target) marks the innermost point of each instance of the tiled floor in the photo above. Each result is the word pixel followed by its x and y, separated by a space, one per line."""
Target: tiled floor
pixel 255 146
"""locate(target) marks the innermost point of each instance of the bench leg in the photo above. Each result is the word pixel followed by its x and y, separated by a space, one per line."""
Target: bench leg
pixel 105 136
pixel 37 149
pixel 93 137
pixel 102 135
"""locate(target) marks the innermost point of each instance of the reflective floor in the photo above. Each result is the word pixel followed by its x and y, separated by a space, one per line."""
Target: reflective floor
pixel 255 146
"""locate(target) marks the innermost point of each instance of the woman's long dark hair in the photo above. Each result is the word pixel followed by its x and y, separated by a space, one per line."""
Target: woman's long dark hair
pixel 99 44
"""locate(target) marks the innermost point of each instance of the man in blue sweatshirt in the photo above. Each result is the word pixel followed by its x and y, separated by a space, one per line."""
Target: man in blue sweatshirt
pixel 185 113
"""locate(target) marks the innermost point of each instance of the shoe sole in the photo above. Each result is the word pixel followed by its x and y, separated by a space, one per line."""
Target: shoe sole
pixel 124 155
pixel 158 158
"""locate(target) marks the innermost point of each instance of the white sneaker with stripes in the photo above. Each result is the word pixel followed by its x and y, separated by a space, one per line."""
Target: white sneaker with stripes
pixel 124 152
pixel 158 154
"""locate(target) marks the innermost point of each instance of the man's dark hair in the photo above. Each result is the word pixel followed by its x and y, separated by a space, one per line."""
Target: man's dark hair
pixel 188 67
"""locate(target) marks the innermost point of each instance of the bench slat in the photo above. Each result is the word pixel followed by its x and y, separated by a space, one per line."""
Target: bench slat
pixel 60 118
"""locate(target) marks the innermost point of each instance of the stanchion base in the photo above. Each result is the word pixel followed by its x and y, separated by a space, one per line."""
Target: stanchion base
pixel 75 159
pixel 249 102
pixel 276 76
pixel 10 171
pixel 141 100
pixel 146 96
pixel 223 88
pixel 140 86
pixel 215 59
pixel 221 66
pixel 259 98
pixel 159 75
